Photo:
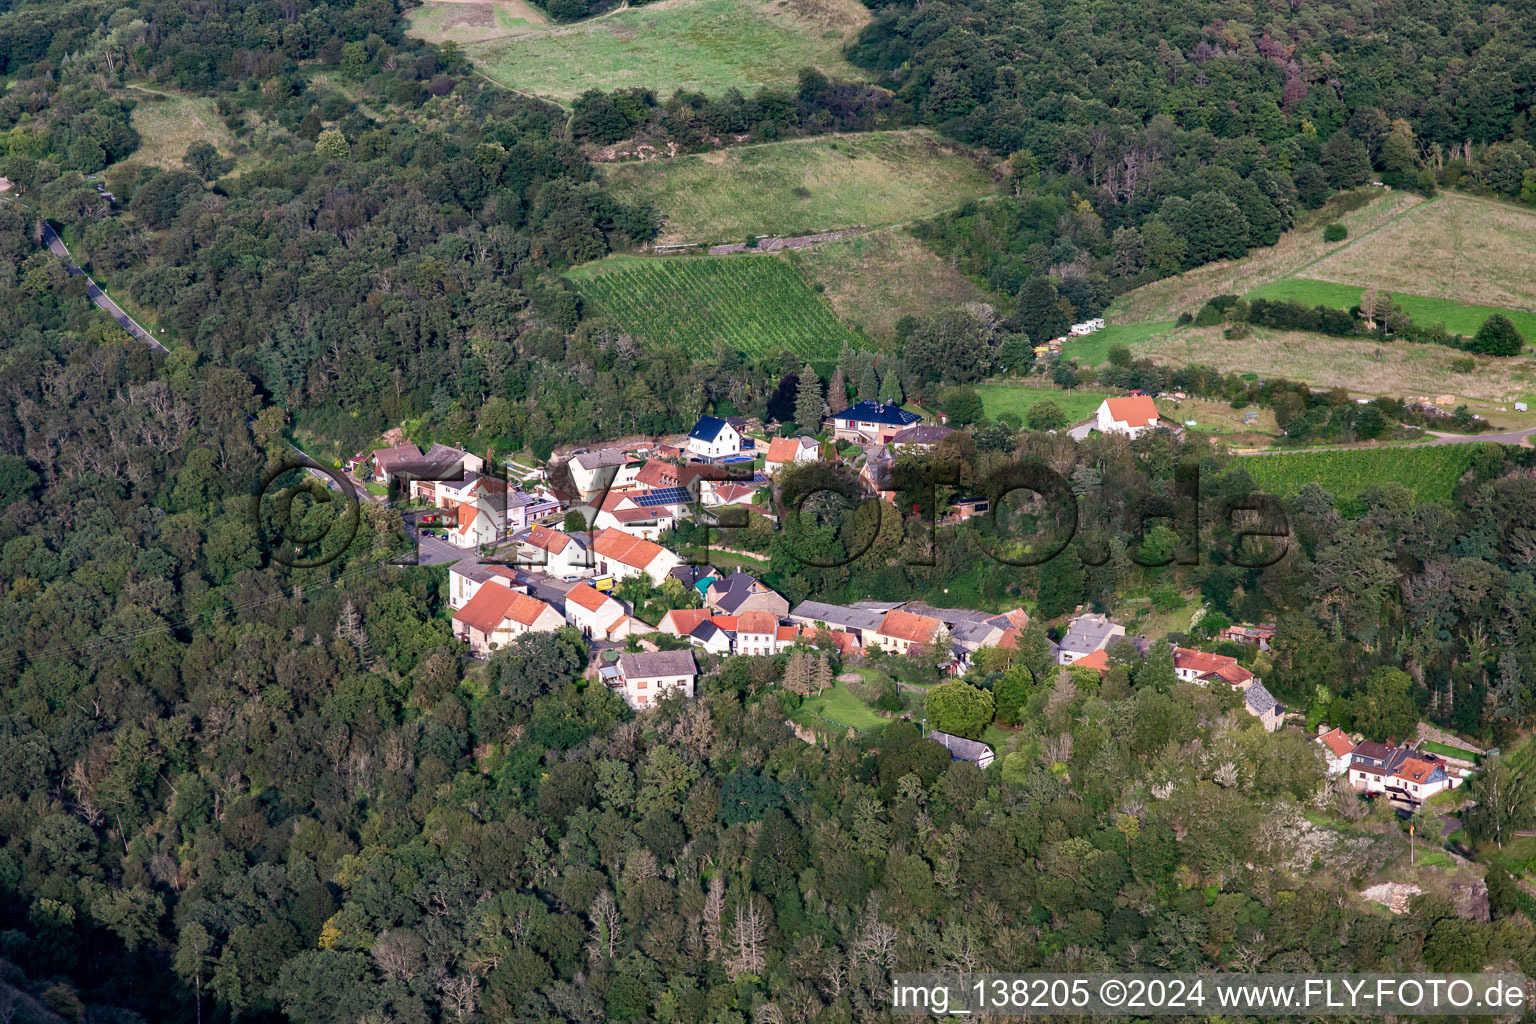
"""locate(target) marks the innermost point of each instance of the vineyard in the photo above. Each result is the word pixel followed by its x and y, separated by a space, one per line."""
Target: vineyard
pixel 757 305
pixel 1430 472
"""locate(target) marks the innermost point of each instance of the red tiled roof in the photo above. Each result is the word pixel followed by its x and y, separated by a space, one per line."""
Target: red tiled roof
pixel 725 622
pixel 1135 410
pixel 786 634
pixel 494 604
pixel 1010 639
pixel 683 620
pixel 656 473
pixel 1337 742
pixel 1099 659
pixel 1415 770
pixel 902 625
pixel 545 539
pixel 1200 662
pixel 584 595
pixel 621 547
pixel 729 494
pixel 757 622
pixel 1234 674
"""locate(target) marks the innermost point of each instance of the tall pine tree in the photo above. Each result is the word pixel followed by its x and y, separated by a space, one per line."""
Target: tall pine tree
pixel 809 407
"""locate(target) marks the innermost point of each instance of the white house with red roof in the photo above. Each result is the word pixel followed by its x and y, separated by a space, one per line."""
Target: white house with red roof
pixel 553 551
pixel 901 631
pixel 622 555
pixel 1338 746
pixel 496 616
pixel 598 616
pixel 466 579
pixel 1132 415
pixel 790 451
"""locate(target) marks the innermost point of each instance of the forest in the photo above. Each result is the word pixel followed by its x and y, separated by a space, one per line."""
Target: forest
pixel 230 790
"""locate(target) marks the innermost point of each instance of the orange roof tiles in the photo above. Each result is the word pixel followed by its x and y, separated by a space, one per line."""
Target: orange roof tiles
pixel 757 622
pixel 494 604
pixel 683 620
pixel 900 625
pixel 1134 410
pixel 621 547
pixel 1415 770
pixel 584 595
pixel 1337 742
pixel 1099 659
pixel 545 539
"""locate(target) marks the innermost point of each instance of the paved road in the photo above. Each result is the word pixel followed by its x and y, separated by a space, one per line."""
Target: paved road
pixel 57 247
pixel 1517 437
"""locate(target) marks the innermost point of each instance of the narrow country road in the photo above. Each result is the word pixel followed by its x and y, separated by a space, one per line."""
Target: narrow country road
pixel 57 247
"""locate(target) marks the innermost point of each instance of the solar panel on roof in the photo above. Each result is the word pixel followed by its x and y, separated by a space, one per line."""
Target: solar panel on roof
pixel 664 496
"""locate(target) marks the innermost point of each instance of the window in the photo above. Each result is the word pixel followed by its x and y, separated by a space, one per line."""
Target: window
pixel 640 685
pixel 642 699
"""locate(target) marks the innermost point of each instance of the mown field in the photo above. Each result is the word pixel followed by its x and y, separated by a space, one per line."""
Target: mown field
pixel 169 122
pixel 707 45
pixel 997 399
pixel 1457 317
pixel 875 279
pixel 1362 365
pixel 1457 248
pixel 757 305
pixel 803 186
pixel 1093 349
pixel 442 21
pixel 1430 472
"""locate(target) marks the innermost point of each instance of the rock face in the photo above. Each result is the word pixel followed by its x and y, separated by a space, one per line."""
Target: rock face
pixel 1469 898
pixel 1393 895
pixel 1471 901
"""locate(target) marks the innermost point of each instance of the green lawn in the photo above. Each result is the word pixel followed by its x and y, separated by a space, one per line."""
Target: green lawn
pixel 758 305
pixel 840 706
pixel 1431 473
pixel 1446 750
pixel 1079 404
pixel 704 45
pixel 1458 318
pixel 802 186
pixel 463 23
pixel 1093 349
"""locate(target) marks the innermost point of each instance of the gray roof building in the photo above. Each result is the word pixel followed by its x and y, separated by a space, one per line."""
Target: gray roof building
pixel 655 664
pixel 962 749
pixel 810 612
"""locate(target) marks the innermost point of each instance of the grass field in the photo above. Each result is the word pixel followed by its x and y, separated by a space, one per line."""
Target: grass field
pixel 1446 750
pixel 1457 248
pixel 440 22
pixel 840 706
pixel 758 305
pixel 1430 472
pixel 997 399
pixel 169 122
pixel 1364 366
pixel 1093 349
pixel 803 186
pixel 707 45
pixel 875 279
pixel 1457 317
pixel 1297 250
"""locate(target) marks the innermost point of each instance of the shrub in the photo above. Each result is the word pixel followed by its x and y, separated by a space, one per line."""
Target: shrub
pixel 1497 337
pixel 1335 233
pixel 1466 364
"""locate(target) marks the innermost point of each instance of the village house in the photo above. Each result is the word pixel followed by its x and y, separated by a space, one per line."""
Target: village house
pixel 1086 634
pixel 624 556
pixel 714 437
pixel 921 437
pixel 598 616
pixel 759 633
pixel 1260 635
pixel 646 677
pixel 553 551
pixel 1338 747
pixel 901 631
pixel 1192 666
pixel 1133 415
pixel 638 515
pixel 861 623
pixel 739 593
pixel 790 451
pixel 438 462
pixel 593 473
pixel 658 473
pixel 1262 705
pixel 870 422
pixel 877 472
pixel 962 749
pixel 1404 772
pixel 718 494
pixel 466 578
pixel 496 616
